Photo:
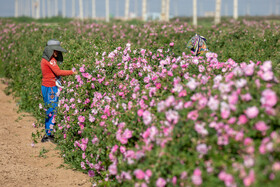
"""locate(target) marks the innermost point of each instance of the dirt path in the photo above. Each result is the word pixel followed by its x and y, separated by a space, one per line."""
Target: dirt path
pixel 20 163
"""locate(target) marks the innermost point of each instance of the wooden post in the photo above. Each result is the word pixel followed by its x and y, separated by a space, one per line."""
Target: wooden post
pixel 195 13
pixel 126 9
pixel 144 10
pixel 107 11
pixel 81 9
pixel 218 12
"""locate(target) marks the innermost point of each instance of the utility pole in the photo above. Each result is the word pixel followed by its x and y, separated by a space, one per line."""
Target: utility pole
pixel 167 9
pixel 16 8
pixel 163 10
pixel 107 11
pixel 144 10
pixel 93 13
pixel 126 9
pixel 63 8
pixel 195 13
pixel 81 9
pixel 235 9
pixel 218 12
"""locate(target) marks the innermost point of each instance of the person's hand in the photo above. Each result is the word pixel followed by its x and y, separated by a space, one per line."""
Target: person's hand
pixel 75 73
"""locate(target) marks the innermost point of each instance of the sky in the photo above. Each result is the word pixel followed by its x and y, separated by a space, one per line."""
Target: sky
pixel 177 7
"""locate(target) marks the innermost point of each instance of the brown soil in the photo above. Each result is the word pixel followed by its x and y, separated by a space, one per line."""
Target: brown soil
pixel 20 163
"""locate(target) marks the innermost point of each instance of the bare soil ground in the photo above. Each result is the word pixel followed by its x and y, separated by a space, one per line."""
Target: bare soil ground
pixel 20 163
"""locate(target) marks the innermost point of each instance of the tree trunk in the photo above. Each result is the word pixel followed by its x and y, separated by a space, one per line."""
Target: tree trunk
pixel 195 12
pixel 126 9
pixel 81 9
pixel 144 10
pixel 218 12
pixel 107 11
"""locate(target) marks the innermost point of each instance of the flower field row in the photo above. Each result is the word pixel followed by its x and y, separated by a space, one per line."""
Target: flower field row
pixel 143 111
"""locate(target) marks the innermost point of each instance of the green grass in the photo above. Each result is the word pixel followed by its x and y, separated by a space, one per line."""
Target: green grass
pixel 1 69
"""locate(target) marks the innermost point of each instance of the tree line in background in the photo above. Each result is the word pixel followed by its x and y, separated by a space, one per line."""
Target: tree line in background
pixel 47 8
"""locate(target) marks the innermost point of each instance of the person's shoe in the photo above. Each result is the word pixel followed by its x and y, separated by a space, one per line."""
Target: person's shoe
pixel 47 138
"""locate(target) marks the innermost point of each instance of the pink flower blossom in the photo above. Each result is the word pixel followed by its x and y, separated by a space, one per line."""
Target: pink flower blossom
pixel 91 173
pixel 196 177
pixel 139 174
pixel 193 115
pixel 160 182
pixel 242 119
pixel 252 112
pixel 172 116
pixel 147 117
pixel 112 169
pixel 81 119
pixel 269 98
pixel 202 149
pixel 261 126
pixel 250 179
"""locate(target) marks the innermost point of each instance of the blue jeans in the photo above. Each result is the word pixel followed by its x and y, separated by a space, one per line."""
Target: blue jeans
pixel 51 103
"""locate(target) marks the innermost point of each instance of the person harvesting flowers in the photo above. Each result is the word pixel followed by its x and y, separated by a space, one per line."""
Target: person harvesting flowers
pixel 51 72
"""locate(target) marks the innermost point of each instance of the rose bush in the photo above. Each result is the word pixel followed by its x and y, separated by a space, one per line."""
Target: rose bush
pixel 143 112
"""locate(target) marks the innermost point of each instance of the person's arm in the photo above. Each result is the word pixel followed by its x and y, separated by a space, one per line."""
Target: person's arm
pixel 57 71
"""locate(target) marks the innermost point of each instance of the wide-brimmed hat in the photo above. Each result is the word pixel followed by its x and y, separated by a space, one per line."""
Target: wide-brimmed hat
pixel 51 46
pixel 55 45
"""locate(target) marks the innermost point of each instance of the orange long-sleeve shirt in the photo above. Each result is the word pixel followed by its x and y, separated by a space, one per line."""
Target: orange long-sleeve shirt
pixel 50 70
